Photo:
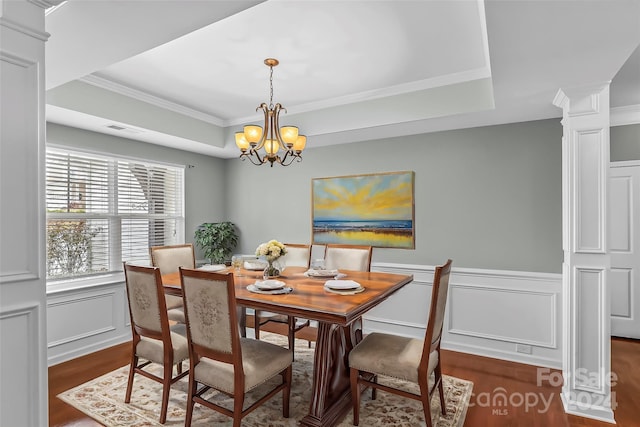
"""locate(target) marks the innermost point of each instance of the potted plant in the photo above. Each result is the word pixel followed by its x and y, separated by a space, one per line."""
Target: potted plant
pixel 217 240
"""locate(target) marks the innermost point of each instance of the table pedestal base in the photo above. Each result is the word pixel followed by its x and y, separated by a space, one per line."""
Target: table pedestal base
pixel 331 394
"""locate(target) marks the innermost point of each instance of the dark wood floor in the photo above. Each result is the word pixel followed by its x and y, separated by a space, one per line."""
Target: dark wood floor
pixel 491 377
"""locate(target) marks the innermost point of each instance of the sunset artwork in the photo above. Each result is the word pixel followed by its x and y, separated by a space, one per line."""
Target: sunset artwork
pixel 375 210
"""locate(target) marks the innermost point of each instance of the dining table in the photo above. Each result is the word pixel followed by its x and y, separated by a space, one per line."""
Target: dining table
pixel 339 318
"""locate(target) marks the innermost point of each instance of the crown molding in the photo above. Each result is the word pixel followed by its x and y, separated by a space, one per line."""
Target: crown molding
pixel 415 86
pixel 628 115
pixel 46 4
pixel 112 86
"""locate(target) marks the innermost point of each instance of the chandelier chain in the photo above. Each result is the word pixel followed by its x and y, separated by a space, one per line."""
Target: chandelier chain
pixel 271 88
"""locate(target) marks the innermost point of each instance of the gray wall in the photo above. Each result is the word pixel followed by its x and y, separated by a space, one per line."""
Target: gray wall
pixel 486 197
pixel 205 182
pixel 625 143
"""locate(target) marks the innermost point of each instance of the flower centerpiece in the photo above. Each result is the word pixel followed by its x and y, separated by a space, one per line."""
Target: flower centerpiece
pixel 271 251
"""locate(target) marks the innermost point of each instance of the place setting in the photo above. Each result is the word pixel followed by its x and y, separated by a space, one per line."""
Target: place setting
pixel 318 271
pixel 269 287
pixel 324 274
pixel 343 287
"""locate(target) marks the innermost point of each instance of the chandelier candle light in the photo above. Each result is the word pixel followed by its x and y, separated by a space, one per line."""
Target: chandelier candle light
pixel 272 137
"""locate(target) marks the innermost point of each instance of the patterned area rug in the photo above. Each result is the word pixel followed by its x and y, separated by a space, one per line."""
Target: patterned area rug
pixel 103 400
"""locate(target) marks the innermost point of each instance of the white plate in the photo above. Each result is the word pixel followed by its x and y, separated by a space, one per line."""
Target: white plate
pixel 342 284
pixel 214 267
pixel 269 285
pixel 345 291
pixel 322 273
pixel 286 290
pixel 255 265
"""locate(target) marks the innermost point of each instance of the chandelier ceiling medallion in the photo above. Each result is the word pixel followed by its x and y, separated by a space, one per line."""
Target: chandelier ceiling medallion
pixel 272 137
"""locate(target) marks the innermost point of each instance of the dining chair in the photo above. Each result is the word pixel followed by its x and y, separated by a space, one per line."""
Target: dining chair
pixel 154 341
pixel 298 255
pixel 408 359
pixel 218 357
pixel 169 259
pixel 347 257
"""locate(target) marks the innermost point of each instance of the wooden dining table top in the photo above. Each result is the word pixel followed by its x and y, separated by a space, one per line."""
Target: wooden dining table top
pixel 309 299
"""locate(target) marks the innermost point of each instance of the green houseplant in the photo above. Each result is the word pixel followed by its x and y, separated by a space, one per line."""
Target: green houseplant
pixel 217 240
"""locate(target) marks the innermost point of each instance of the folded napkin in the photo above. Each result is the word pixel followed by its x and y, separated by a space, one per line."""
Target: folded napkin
pixel 255 265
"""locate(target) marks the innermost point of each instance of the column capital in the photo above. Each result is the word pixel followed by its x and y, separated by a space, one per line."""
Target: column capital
pixel 582 100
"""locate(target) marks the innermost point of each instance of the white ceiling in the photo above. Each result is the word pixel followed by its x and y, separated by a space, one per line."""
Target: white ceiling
pixel 188 74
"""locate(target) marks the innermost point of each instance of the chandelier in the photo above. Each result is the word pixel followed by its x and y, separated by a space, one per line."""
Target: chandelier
pixel 272 137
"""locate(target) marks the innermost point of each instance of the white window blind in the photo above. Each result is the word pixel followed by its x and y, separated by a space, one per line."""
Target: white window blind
pixel 102 211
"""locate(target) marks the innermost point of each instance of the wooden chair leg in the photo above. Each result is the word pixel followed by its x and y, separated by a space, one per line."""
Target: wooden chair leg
pixel 426 402
pixel 166 388
pixel 238 402
pixel 438 377
pixel 286 392
pixel 190 402
pixel 355 395
pixel 132 371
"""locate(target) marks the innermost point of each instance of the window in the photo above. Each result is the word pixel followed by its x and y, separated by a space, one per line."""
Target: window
pixel 104 210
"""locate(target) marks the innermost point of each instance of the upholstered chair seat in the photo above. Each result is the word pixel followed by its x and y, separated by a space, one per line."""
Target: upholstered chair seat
pixel 408 359
pixel 153 350
pixel 259 363
pixel 176 314
pixel 173 301
pixel 392 356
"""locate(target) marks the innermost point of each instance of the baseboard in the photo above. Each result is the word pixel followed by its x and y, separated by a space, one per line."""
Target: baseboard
pixel 87 349
pixel 504 355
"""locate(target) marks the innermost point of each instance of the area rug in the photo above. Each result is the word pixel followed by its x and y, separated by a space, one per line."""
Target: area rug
pixel 103 400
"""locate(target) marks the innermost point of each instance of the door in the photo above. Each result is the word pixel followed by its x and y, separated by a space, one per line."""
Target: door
pixel 624 245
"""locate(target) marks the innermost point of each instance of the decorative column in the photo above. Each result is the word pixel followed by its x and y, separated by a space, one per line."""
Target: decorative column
pixel 586 363
pixel 23 328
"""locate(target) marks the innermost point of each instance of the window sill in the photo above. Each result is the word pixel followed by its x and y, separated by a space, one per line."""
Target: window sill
pixel 67 285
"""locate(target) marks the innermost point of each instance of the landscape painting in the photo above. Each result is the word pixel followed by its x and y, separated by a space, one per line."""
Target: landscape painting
pixel 375 210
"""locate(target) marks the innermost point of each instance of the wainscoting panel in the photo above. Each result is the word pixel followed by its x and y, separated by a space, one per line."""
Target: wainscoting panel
pixel 19 326
pixel 85 320
pixel 534 308
pixel 502 314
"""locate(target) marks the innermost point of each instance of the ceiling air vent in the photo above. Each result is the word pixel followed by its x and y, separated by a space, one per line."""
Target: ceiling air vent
pixel 124 129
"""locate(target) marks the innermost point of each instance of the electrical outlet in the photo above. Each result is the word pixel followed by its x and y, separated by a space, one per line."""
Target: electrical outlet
pixel 523 348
